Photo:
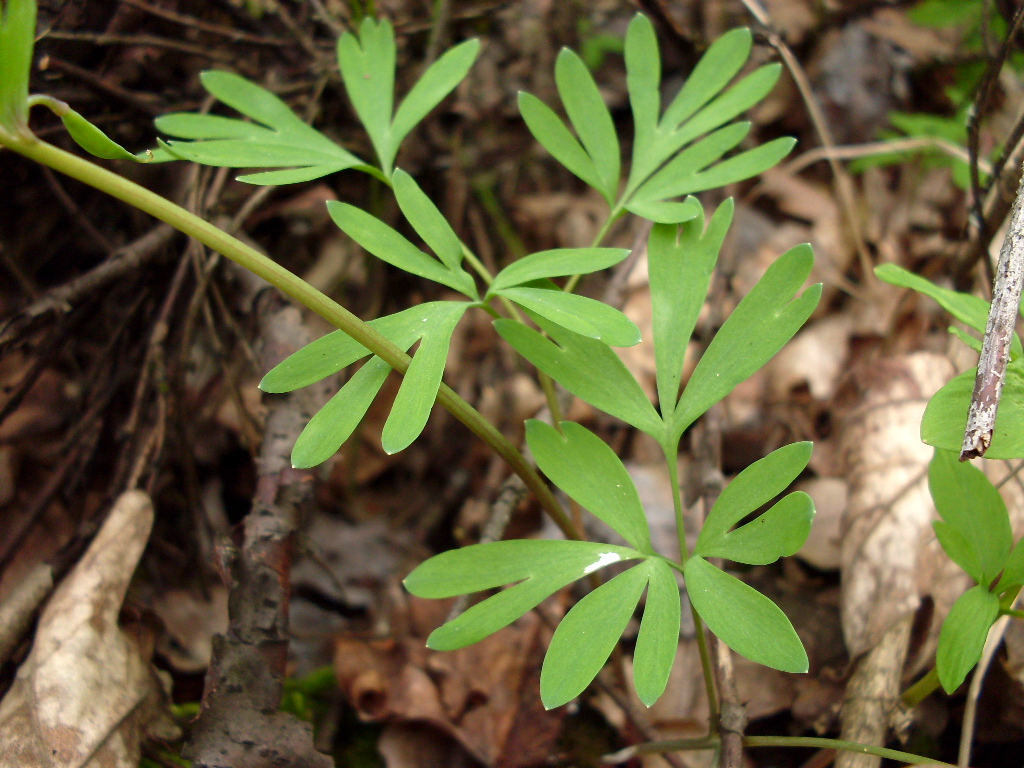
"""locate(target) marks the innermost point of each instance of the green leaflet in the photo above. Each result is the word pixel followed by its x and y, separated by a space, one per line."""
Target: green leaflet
pixel 587 634
pixel 419 387
pixel 388 245
pixel 680 261
pixel 17 39
pixel 658 640
pixel 590 118
pixel 1013 569
pixel 945 417
pixel 335 351
pixel 779 532
pixel 541 568
pixel 277 139
pixel 757 329
pixel 556 263
pixel 552 134
pixel 587 317
pixel 587 368
pixel 715 70
pixel 968 309
pixel 333 424
pixel 743 618
pixel 972 507
pixel 755 486
pixel 367 64
pixel 582 465
pixel 96 142
pixel 963 635
pixel 427 220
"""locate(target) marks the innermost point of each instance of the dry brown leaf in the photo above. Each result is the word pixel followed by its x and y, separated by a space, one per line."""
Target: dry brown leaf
pixel 85 696
pixel 484 696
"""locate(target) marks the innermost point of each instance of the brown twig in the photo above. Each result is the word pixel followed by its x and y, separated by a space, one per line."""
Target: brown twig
pixel 233 34
pixel 61 299
pixel 995 347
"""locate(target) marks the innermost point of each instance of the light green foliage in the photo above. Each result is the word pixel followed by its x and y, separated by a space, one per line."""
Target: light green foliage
pixel 660 170
pixel 368 69
pixel 279 139
pixel 975 533
pixel 582 465
pixel 682 151
pixel 276 139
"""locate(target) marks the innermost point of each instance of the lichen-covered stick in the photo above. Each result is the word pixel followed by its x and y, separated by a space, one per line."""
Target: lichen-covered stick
pixel 995 348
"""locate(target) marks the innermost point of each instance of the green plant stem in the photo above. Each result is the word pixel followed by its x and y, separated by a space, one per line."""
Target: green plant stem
pixel 1013 613
pixel 712 742
pixel 671 451
pixel 573 281
pixel 922 689
pixel 291 285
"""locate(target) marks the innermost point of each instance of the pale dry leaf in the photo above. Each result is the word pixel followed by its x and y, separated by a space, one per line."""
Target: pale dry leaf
pixel 890 557
pixel 85 696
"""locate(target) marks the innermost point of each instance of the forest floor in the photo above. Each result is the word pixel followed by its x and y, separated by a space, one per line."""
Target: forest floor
pixel 130 358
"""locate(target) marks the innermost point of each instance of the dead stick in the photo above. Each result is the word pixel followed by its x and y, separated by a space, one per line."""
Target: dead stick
pixel 995 348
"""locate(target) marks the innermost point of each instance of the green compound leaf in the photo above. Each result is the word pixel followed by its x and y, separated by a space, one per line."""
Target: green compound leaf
pixel 419 387
pixel 755 486
pixel 972 507
pixel 970 310
pixel 586 468
pixel 367 64
pixel 743 618
pixel 587 368
pixel 390 246
pixel 552 134
pixel 557 263
pixel 586 636
pixel 17 40
pixel 757 329
pixel 279 139
pixel 945 417
pixel 590 117
pixel 587 317
pixel 333 424
pixel 427 220
pixel 963 635
pixel 658 640
pixel 680 262
pixel 541 566
pixel 335 351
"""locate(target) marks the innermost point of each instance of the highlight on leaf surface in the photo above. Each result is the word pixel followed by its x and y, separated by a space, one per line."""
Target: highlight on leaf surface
pixel 536 568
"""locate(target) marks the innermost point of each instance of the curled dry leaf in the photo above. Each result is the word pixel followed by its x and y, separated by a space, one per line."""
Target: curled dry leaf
pixel 483 696
pixel 85 696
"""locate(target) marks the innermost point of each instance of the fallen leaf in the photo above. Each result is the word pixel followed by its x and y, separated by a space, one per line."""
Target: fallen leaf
pixel 85 696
